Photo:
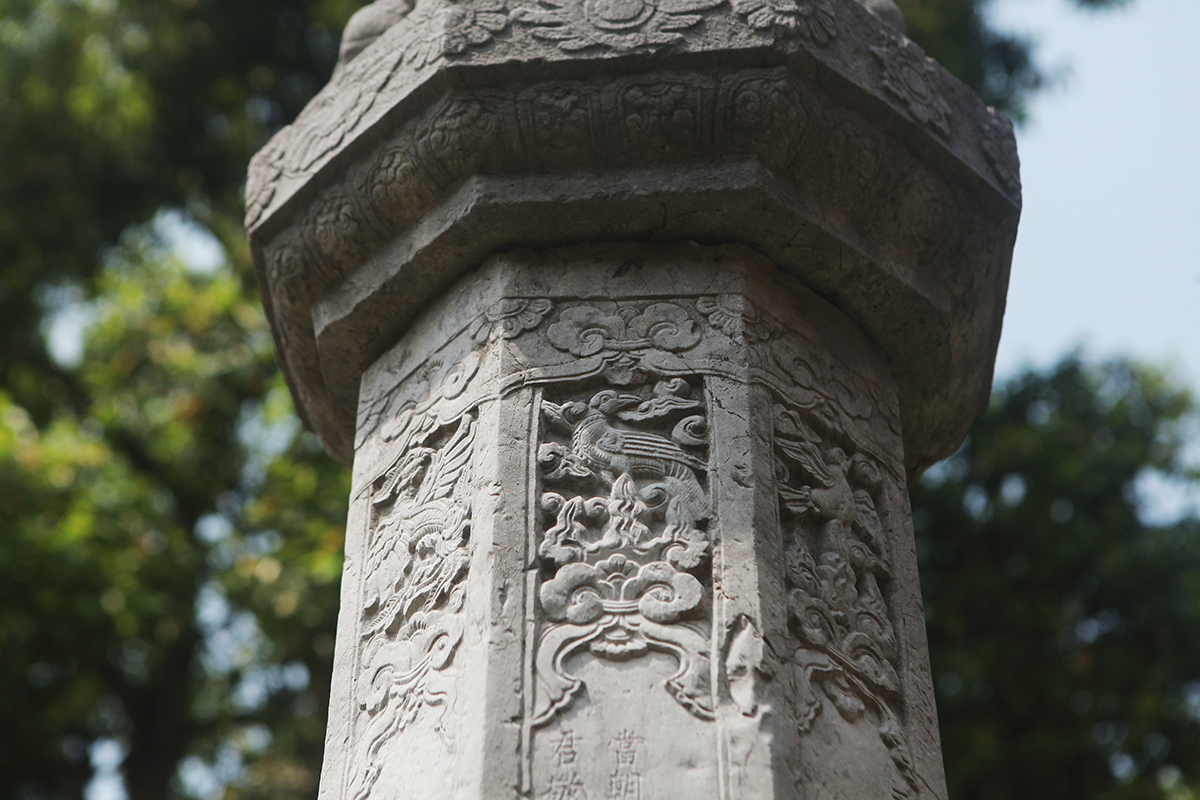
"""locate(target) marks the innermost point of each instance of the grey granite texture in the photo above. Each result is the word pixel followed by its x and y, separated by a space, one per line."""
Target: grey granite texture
pixel 809 130
pixel 630 521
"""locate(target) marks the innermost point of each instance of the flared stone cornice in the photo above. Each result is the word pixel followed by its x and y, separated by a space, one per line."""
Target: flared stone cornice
pixel 809 131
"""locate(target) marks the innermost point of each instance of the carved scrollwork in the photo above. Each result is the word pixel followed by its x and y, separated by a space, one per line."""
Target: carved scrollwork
pixel 821 395
pixel 266 168
pixel 765 108
pixel 558 116
pixel 626 540
pixel 460 24
pixel 334 114
pixel 811 20
pixel 616 24
pixel 398 182
pixel 453 141
pixel 663 114
pixel 835 565
pixel 509 318
pixel 437 28
pixel 586 330
pixel 417 561
pixel 408 417
pixel 912 77
pixel 737 317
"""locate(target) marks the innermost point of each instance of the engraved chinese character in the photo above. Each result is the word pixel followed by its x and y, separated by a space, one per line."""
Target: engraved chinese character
pixel 624 783
pixel 564 749
pixel 624 786
pixel 626 746
pixel 565 786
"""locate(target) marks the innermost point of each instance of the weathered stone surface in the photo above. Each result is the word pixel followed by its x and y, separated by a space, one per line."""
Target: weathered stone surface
pixel 634 318
pixel 630 520
pixel 810 131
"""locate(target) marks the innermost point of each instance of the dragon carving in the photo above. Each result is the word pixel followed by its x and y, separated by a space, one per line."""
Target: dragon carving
pixel 416 565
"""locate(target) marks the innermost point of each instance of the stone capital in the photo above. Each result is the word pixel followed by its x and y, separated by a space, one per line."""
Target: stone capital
pixel 809 131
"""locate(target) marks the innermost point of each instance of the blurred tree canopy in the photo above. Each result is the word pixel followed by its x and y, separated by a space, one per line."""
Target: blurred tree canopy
pixel 170 540
pixel 1064 629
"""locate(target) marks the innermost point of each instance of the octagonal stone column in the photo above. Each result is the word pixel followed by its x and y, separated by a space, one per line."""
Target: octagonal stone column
pixel 634 320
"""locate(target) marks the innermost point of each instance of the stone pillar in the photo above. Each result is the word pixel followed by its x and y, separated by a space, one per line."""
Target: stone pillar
pixel 634 319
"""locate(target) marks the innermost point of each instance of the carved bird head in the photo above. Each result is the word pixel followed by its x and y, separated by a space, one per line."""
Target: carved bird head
pixel 413 465
pixel 405 474
pixel 609 402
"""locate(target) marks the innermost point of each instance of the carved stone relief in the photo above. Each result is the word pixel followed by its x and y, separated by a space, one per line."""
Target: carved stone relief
pixel 509 318
pixel 622 536
pixel 437 391
pixel 638 652
pixel 837 572
pixel 912 77
pixel 737 318
pixel 830 400
pixel 613 24
pixel 811 20
pixel 401 42
pixel 417 436
pixel 448 27
pixel 418 555
pixel 625 547
pixel 796 131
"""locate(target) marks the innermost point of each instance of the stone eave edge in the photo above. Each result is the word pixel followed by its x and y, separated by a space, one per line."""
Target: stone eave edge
pixel 373 93
pixel 406 93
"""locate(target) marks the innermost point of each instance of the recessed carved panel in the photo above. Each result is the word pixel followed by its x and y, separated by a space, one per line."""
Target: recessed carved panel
pixel 418 555
pixel 625 544
pixel 837 570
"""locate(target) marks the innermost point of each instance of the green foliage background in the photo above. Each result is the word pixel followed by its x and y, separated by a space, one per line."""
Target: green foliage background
pixel 1063 628
pixel 170 539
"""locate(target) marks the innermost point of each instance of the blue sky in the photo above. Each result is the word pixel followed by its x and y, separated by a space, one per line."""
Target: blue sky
pixel 1108 254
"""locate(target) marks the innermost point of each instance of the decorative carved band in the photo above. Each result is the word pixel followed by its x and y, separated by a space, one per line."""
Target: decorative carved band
pixel 438 32
pixel 536 134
